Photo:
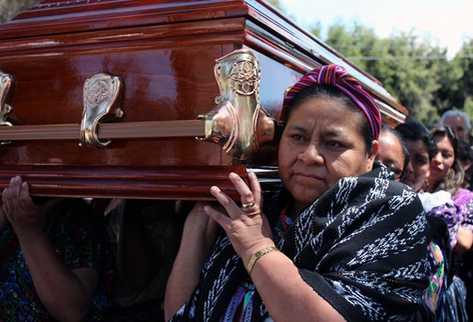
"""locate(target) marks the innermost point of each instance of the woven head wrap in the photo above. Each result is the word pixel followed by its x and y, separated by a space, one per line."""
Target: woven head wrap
pixel 338 77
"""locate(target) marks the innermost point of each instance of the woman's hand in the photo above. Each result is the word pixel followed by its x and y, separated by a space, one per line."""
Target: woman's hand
pixel 464 240
pixel 21 212
pixel 247 228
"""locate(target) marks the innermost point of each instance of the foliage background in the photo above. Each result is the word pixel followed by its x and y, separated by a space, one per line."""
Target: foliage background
pixel 412 69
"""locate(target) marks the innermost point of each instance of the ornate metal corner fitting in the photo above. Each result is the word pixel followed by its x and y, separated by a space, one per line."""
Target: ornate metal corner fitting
pixel 6 82
pixel 238 123
pixel 101 93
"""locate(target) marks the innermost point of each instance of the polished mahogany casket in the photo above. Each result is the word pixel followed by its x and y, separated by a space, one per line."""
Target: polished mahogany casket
pixel 150 98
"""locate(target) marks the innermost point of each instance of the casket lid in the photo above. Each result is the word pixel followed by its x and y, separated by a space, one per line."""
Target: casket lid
pixel 260 20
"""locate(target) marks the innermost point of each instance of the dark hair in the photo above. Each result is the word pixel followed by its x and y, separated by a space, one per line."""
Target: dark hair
pixel 405 152
pixel 456 113
pixel 455 176
pixel 464 150
pixel 413 130
pixel 445 131
pixel 465 155
pixel 330 92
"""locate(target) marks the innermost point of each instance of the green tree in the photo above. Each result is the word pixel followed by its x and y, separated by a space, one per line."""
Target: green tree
pixel 276 3
pixel 409 72
pixel 355 42
pixel 418 73
pixel 407 66
pixel 461 92
pixel 450 92
pixel 316 29
pixel 465 60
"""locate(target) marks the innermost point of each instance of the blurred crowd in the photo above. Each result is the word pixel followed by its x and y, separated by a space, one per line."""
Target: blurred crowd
pixel 436 163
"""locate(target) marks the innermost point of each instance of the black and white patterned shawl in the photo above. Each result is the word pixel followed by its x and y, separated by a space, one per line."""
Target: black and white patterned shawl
pixel 362 246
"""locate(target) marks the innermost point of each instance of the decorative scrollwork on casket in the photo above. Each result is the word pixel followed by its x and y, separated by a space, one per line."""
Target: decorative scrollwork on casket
pixel 101 93
pixel 238 122
pixel 245 77
pixel 6 82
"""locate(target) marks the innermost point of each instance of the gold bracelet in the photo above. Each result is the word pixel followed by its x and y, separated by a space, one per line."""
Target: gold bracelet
pixel 254 258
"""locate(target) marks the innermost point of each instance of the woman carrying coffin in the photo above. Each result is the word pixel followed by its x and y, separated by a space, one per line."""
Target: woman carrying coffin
pixel 51 259
pixel 340 242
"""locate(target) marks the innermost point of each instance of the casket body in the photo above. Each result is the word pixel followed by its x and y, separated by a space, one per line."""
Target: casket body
pixel 164 52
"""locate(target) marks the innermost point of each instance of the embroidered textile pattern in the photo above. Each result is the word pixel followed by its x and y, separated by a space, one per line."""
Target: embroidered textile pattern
pixel 362 246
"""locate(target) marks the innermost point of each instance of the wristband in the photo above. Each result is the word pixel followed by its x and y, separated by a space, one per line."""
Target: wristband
pixel 254 258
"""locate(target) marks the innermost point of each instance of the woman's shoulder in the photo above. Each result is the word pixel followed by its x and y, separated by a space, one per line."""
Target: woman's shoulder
pixel 379 176
pixel 369 198
pixel 376 184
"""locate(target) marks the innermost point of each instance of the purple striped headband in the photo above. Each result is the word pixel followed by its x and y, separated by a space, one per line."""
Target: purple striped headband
pixel 338 77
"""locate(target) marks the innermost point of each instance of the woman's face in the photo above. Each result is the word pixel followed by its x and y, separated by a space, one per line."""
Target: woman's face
pixel 390 153
pixel 442 160
pixel 321 143
pixel 457 124
pixel 418 170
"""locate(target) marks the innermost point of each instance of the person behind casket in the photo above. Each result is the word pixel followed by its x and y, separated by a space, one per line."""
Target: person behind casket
pixel 51 259
pixel 144 236
pixel 465 156
pixel 341 241
pixel 447 201
pixel 392 152
pixel 459 122
pixel 421 149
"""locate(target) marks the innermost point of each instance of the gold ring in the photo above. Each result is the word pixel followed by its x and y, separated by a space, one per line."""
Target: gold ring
pixel 253 213
pixel 247 206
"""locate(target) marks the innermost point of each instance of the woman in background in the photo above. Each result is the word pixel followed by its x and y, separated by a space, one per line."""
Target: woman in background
pixel 446 201
pixel 421 149
pixel 446 180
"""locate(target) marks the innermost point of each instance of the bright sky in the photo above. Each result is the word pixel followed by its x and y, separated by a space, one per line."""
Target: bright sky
pixel 446 22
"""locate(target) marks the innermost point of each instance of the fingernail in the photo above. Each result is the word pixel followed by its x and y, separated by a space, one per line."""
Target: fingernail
pixel 215 188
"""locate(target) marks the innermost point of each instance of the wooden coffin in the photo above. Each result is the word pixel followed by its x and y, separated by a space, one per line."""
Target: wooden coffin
pixel 163 54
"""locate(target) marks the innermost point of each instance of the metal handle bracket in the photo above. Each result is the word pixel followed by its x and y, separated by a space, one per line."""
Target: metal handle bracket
pixel 6 82
pixel 101 93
